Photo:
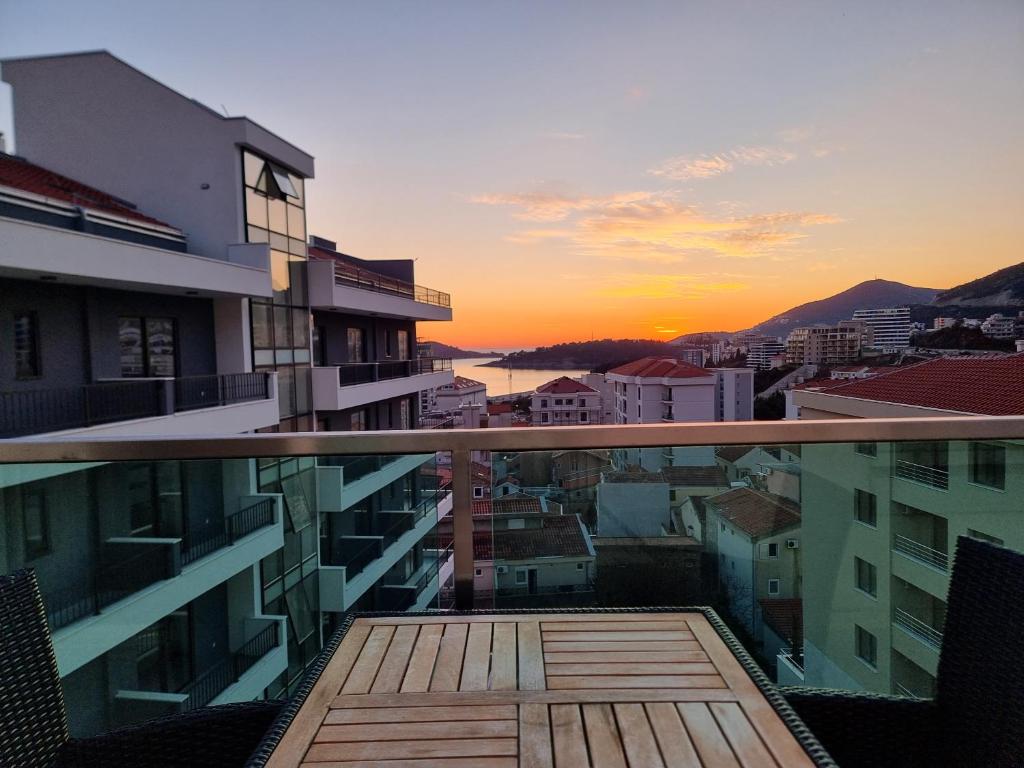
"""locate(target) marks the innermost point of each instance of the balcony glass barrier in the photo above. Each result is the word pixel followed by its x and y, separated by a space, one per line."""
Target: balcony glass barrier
pixel 348 274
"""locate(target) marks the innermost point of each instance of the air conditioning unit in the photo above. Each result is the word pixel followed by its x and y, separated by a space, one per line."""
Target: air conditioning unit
pixel 792 543
pixel 502 569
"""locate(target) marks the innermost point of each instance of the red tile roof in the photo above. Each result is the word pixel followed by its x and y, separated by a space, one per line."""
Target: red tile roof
pixel 20 174
pixel 557 536
pixel 695 476
pixel 461 382
pixel 517 504
pixel 732 453
pixel 563 385
pixel 756 513
pixel 785 616
pixel 990 386
pixel 660 368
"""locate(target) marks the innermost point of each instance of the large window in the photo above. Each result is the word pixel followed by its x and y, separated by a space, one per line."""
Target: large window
pixel 866 576
pixel 36 523
pixel 356 345
pixel 26 346
pixel 865 507
pixel 988 465
pixel 403 345
pixel 866 646
pixel 148 346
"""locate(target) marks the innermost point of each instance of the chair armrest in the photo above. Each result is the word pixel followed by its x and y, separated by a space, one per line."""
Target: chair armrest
pixel 868 729
pixel 222 736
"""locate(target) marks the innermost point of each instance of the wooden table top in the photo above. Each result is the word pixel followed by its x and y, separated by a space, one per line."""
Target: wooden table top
pixel 532 690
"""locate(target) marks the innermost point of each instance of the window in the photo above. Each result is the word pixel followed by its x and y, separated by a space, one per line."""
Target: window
pixel 478 492
pixel 866 449
pixel 35 524
pixel 583 403
pixel 723 527
pixel 773 587
pixel 319 345
pixel 865 507
pixel 356 346
pixel 522 575
pixel 148 346
pixel 357 421
pixel 580 566
pixel 988 465
pixel 583 416
pixel 26 346
pixel 543 403
pixel 866 646
pixel 773 551
pixel 558 401
pixel 544 418
pixel 403 345
pixel 866 576
pixel 478 571
pixel 403 414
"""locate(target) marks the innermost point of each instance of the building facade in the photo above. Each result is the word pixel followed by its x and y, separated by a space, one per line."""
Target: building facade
pixel 565 402
pixel 890 327
pixel 828 345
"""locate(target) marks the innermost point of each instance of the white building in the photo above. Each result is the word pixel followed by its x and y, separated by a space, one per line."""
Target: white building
pixel 890 327
pixel 565 402
pixel 606 390
pixel 999 326
pixel 460 391
pixel 762 355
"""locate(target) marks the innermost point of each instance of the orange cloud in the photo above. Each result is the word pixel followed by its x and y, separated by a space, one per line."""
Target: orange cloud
pixel 546 206
pixel 686 167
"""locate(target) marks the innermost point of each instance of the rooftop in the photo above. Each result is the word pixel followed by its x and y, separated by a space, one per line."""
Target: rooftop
pixel 563 385
pixel 695 476
pixel 785 616
pixel 733 453
pixel 756 513
pixel 660 368
pixel 461 382
pixel 557 536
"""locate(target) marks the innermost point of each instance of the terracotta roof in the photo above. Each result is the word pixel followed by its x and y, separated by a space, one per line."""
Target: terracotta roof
pixel 756 513
pixel 990 386
pixel 661 368
pixel 461 382
pixel 695 476
pixel 563 385
pixel 733 453
pixel 634 476
pixel 785 616
pixel 513 504
pixel 820 385
pixel 557 536
pixel 28 177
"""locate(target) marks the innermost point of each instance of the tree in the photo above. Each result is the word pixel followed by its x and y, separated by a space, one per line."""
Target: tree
pixel 771 408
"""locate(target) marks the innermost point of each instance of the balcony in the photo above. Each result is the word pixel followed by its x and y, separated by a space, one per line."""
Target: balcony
pixel 921 553
pixel 921 630
pixel 339 387
pixel 922 474
pixel 334 285
pixel 219 404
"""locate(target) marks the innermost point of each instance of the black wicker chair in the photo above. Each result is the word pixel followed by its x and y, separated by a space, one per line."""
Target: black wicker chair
pixel 977 716
pixel 33 726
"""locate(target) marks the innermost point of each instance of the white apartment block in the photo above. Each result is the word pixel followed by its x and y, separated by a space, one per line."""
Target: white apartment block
pixel 890 327
pixel 606 390
pixel 828 345
pixel 762 354
pixel 565 402
pixel 1000 326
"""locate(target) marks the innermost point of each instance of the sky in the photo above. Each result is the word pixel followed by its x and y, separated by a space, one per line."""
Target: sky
pixel 569 170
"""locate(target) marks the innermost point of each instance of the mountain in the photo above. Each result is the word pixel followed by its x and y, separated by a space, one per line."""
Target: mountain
pixel 579 355
pixel 1004 288
pixel 446 350
pixel 871 294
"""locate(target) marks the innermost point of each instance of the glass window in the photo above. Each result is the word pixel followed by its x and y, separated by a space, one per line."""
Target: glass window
pixel 129 336
pixel 773 551
pixel 303 391
pixel 773 587
pixel 357 421
pixel 277 215
pixel 147 346
pixel 280 278
pixel 544 418
pixel 262 329
pixel 866 449
pixel 296 223
pixel 356 346
pixel 988 465
pixel 36 523
pixel 300 328
pixel 160 346
pixel 403 345
pixel 296 502
pixel 26 346
pixel 865 507
pixel 282 331
pixel 258 235
pixel 256 209
pixel 283 181
pixel 286 391
pixel 866 646
pixel 866 576
pixel 253 166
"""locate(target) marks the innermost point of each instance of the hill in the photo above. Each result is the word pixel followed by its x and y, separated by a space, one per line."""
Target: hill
pixel 871 294
pixel 603 353
pixel 446 350
pixel 1004 288
pixel 957 336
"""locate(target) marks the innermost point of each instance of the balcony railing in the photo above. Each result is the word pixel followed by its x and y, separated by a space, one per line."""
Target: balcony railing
pixel 919 629
pixel 221 533
pixel 921 473
pixel 902 690
pixel 356 467
pixel 347 274
pixel 795 656
pixel 210 684
pixel 385 370
pixel 193 392
pixel 917 551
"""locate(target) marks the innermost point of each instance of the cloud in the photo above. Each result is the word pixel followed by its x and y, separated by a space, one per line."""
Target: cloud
pixel 630 285
pixel 546 206
pixel 685 167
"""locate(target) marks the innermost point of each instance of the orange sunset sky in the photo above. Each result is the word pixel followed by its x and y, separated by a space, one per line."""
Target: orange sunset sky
pixel 568 170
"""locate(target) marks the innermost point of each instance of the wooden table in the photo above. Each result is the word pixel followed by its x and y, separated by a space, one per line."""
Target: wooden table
pixel 561 690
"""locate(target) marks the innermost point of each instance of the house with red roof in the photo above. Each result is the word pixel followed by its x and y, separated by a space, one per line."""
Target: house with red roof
pixel 565 402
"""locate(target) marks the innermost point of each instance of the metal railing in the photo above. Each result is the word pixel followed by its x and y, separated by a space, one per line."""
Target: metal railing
pixel 795 656
pixel 902 690
pixel 356 467
pixel 919 629
pixel 385 370
pixel 37 411
pixel 917 551
pixel 923 474
pixel 437 422
pixel 432 364
pixel 348 274
pixel 193 392
pixel 208 538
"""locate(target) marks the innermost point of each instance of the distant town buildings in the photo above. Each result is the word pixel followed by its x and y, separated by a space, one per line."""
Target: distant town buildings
pixel 565 402
pixel 1000 326
pixel 461 391
pixel 890 327
pixel 839 344
pixel 765 353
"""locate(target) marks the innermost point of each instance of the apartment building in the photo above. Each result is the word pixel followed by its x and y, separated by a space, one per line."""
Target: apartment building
pixel 606 390
pixel 890 327
pixel 876 565
pixel 461 391
pixel 565 402
pixel 1000 326
pixel 765 354
pixel 175 295
pixel 840 344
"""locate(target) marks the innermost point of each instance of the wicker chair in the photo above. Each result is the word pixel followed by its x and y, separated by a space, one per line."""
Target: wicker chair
pixel 33 725
pixel 977 716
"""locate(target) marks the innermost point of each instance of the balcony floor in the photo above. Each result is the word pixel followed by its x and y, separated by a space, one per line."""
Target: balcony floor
pixel 643 689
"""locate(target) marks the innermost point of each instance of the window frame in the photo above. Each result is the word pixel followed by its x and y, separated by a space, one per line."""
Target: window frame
pixel 973 464
pixel 860 637
pixel 778 587
pixel 36 348
pixel 862 567
pixel 858 494
pixel 772 544
pixel 144 340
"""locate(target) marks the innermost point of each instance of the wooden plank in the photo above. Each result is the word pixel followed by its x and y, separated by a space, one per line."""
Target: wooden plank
pixel 421 665
pixel 451 762
pixel 627 668
pixel 671 735
pixel 536 618
pixel 762 716
pixel 643 645
pixel 503 657
pixel 612 626
pixel 742 737
pixel 534 736
pixel 636 681
pixel 637 737
pixel 618 637
pixel 437 749
pixel 477 661
pixel 568 738
pixel 531 658
pixel 366 666
pixel 392 669
pixel 399 731
pixel 711 745
pixel 493 698
pixel 611 657
pixel 300 732
pixel 449 658
pixel 603 736
pixel 421 714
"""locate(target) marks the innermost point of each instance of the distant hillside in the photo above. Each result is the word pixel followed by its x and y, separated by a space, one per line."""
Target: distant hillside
pixel 957 336
pixel 701 336
pixel 1004 288
pixel 871 294
pixel 445 350
pixel 588 355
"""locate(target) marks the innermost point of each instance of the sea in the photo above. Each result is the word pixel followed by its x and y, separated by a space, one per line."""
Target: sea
pixel 497 379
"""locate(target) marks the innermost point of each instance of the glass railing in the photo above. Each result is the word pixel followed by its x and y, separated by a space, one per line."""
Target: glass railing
pixel 384 370
pixel 801 535
pixel 347 274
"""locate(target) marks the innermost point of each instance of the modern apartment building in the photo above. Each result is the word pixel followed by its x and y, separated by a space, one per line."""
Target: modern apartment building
pixel 1000 326
pixel 890 327
pixel 840 344
pixel 195 308
pixel 565 402
pixel 880 520
pixel 765 354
